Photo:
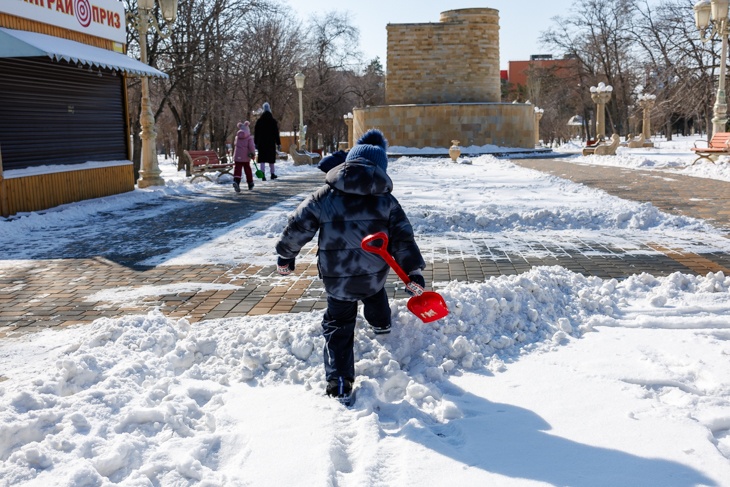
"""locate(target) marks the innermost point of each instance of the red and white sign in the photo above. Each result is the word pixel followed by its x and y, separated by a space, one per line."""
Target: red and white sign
pixel 99 18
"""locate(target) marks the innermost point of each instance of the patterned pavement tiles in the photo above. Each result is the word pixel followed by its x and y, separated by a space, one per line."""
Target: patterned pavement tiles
pixel 71 286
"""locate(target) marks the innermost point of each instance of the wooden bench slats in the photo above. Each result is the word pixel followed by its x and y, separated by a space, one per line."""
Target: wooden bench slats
pixel 718 145
pixel 203 161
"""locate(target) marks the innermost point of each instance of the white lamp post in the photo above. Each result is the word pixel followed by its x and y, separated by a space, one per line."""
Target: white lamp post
pixel 539 112
pixel 712 14
pixel 149 174
pixel 348 117
pixel 600 95
pixel 299 80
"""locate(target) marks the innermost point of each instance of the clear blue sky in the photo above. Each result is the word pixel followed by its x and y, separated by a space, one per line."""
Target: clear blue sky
pixel 520 21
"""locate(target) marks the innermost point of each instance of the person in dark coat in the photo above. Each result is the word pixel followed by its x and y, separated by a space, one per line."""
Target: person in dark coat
pixel 266 138
pixel 356 201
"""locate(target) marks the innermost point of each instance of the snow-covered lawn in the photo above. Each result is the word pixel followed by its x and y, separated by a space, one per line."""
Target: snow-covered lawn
pixel 673 156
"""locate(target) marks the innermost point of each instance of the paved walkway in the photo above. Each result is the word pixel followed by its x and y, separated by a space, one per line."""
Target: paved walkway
pixel 57 289
pixel 703 198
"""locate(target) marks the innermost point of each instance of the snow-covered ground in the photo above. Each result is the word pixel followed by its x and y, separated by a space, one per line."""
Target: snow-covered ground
pixel 546 378
pixel 672 156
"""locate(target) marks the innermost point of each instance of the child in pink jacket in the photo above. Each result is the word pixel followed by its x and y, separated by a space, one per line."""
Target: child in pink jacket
pixel 243 151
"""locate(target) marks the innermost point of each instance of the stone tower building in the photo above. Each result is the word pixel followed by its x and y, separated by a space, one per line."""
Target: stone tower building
pixel 452 61
pixel 442 83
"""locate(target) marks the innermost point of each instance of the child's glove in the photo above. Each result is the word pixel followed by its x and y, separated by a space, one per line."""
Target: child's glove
pixel 284 266
pixel 251 155
pixel 417 284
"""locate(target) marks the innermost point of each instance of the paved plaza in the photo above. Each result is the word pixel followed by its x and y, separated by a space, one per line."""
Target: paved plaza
pixel 58 290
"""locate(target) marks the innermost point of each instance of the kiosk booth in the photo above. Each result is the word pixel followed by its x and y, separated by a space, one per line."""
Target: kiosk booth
pixel 64 126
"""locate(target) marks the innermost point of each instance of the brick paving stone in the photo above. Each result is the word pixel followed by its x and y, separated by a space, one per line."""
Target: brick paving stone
pixel 215 315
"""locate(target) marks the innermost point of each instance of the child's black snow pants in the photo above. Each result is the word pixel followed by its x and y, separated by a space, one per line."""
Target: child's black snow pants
pixel 338 325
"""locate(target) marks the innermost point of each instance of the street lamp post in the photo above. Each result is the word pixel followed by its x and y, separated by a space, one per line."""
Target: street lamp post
pixel 713 13
pixel 600 95
pixel 149 174
pixel 348 121
pixel 646 102
pixel 299 80
pixel 538 115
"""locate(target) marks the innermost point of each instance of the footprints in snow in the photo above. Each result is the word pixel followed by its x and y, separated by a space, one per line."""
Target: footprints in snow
pixel 666 391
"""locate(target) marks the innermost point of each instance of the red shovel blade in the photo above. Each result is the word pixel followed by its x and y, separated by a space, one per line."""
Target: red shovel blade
pixel 429 306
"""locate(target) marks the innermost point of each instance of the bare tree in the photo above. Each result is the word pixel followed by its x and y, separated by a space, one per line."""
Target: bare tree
pixel 556 89
pixel 369 88
pixel 642 46
pixel 271 52
pixel 332 58
pixel 598 34
pixel 195 54
pixel 677 67
pixel 225 58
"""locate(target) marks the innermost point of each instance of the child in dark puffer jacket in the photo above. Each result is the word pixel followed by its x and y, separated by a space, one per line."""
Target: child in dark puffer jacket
pixel 355 202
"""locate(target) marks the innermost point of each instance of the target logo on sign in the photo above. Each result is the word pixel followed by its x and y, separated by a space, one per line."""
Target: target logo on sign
pixel 83 12
pixel 98 18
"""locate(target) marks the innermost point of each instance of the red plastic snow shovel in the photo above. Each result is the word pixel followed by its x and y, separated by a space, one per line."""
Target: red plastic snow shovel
pixel 427 305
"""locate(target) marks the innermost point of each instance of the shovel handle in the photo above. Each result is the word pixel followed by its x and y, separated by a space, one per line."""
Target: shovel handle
pixel 369 244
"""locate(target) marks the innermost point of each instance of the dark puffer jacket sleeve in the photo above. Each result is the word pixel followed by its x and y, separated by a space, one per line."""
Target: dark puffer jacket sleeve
pixel 302 226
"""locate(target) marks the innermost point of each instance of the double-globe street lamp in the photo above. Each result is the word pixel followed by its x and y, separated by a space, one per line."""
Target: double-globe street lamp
pixel 600 95
pixel 646 102
pixel 149 174
pixel 299 80
pixel 712 15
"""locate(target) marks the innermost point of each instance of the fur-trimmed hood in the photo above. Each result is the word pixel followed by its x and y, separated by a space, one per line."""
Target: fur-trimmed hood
pixel 359 176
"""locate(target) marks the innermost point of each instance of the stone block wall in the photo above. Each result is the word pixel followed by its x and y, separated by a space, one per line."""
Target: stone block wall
pixel 453 61
pixel 501 124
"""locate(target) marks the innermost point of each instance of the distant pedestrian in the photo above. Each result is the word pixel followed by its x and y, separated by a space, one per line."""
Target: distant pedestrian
pixel 244 151
pixel 266 138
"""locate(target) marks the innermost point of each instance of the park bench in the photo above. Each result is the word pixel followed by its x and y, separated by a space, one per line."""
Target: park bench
pixel 717 146
pixel 205 161
pixel 591 145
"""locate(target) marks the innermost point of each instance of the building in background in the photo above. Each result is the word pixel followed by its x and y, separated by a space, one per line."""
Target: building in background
pixel 443 84
pixel 521 76
pixel 64 130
